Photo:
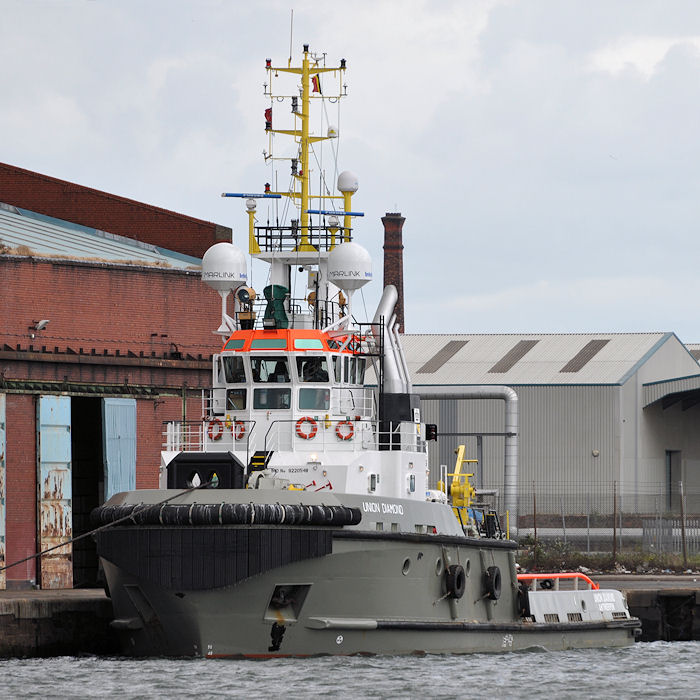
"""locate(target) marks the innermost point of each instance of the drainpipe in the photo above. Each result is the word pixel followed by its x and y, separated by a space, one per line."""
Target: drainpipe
pixel 488 391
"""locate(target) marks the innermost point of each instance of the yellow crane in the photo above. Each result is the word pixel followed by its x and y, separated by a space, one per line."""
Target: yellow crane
pixel 461 491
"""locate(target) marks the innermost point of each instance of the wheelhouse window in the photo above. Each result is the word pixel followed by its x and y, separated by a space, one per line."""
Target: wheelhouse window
pixel 312 368
pixel 354 370
pixel 274 369
pixel 272 398
pixel 235 399
pixel 233 369
pixel 314 399
pixel 338 368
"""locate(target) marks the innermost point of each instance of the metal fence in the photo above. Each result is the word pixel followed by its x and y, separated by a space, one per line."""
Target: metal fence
pixel 605 518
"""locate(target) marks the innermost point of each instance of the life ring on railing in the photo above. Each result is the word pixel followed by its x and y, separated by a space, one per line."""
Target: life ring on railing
pixel 455 581
pixel 339 432
pixel 492 582
pixel 239 429
pixel 217 425
pixel 312 431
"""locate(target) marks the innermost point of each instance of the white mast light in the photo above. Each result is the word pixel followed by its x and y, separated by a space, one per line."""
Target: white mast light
pixel 348 181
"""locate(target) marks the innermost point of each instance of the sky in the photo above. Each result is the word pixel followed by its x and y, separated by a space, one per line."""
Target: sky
pixel 545 153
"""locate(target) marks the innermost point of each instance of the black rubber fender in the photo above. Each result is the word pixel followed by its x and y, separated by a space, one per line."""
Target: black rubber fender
pixel 208 514
pixel 492 583
pixel 455 581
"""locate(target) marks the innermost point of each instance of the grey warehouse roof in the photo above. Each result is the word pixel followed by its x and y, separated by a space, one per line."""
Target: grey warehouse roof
pixel 533 358
pixel 27 233
pixel 694 350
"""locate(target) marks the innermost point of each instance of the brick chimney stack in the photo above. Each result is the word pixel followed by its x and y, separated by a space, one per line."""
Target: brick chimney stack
pixel 393 259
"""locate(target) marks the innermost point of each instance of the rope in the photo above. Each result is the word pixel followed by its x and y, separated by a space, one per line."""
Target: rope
pixel 104 527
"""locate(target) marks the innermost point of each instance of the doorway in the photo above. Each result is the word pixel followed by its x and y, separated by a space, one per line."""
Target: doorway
pixel 87 484
pixel 673 476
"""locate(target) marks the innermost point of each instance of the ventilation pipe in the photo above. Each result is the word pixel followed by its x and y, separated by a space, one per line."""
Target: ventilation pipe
pixel 394 382
pixel 401 358
pixel 510 474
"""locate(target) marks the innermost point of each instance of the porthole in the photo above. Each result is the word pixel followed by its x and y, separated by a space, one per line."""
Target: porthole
pixel 467 566
pixel 583 605
pixel 406 566
pixel 438 567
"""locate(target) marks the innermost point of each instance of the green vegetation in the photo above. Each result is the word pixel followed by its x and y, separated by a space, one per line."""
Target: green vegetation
pixel 557 555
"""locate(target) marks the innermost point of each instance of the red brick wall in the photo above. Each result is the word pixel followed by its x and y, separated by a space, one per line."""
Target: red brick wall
pixel 107 212
pixel 101 307
pixel 106 308
pixel 20 483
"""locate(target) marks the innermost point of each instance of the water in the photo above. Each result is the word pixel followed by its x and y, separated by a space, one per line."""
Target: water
pixel 658 669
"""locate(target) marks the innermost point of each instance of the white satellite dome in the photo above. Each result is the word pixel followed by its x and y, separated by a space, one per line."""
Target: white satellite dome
pixel 349 267
pixel 224 267
pixel 348 182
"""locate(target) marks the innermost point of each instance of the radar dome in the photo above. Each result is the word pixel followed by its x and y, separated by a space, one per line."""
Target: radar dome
pixel 348 182
pixel 224 267
pixel 349 266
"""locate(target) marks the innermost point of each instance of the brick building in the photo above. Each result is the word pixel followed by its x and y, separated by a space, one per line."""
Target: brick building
pixel 107 212
pixel 102 338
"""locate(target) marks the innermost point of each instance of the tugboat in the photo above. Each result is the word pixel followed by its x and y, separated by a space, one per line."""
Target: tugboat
pixel 296 517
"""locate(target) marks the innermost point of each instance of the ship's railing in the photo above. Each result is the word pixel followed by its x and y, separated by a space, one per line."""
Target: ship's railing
pixel 272 239
pixel 358 403
pixel 210 435
pixel 551 581
pixel 308 434
pixel 325 435
pixel 300 313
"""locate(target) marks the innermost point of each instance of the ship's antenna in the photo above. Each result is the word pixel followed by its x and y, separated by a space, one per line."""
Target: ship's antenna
pixel 291 32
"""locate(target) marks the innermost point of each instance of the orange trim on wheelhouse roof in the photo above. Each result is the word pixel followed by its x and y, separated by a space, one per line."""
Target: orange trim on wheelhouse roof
pixel 289 339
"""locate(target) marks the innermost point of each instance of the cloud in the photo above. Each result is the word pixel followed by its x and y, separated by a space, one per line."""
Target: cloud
pixel 523 140
pixel 641 53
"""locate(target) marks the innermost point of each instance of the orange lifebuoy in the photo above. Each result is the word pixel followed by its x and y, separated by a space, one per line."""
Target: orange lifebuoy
pixel 219 426
pixel 345 436
pixel 239 429
pixel 312 431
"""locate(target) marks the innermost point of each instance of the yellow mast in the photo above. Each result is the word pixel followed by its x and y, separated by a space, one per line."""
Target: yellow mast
pixel 308 67
pixel 305 245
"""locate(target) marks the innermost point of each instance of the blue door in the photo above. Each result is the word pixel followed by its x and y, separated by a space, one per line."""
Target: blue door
pixel 54 472
pixel 2 489
pixel 119 440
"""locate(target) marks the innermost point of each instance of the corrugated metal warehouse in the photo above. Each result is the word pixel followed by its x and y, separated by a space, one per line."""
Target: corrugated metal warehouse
pixel 597 412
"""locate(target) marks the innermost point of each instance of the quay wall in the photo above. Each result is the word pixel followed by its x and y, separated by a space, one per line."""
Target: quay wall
pixel 59 624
